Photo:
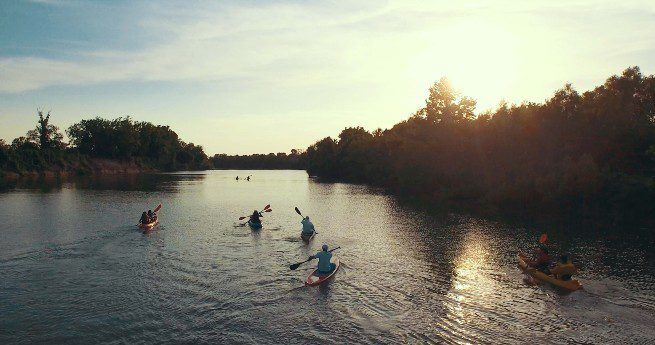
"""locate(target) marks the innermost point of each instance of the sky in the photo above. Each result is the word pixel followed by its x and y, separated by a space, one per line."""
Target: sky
pixel 268 76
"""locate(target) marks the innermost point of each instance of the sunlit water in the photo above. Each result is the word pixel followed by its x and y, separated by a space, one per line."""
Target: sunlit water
pixel 75 269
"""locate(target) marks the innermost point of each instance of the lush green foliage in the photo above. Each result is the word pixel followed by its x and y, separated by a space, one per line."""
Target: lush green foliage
pixel 295 160
pixel 591 151
pixel 123 138
pixel 120 139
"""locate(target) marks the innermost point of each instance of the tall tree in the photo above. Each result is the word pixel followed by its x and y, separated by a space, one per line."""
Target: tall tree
pixel 444 105
pixel 46 135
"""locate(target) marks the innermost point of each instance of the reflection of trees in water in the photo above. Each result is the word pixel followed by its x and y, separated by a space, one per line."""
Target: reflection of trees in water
pixel 121 182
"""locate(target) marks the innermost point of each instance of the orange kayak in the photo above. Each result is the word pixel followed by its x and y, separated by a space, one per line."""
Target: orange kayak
pixel 315 279
pixel 570 285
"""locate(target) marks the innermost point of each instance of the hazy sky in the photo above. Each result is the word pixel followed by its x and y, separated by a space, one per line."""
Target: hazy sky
pixel 268 76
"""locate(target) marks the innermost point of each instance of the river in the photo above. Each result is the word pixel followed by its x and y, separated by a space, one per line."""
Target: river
pixel 75 269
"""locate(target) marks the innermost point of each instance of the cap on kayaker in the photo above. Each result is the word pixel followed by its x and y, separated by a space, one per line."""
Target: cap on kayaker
pixel 325 247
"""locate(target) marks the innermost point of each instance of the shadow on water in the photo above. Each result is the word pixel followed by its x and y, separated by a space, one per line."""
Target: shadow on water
pixel 117 182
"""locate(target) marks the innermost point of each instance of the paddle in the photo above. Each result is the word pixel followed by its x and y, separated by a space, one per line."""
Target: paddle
pixel 267 210
pixel 543 238
pixel 295 266
pixel 300 213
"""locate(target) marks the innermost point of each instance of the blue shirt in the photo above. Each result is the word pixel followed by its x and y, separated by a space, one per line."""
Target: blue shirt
pixel 324 264
pixel 307 226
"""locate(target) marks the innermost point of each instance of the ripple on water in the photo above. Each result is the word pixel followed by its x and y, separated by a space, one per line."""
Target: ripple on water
pixel 406 276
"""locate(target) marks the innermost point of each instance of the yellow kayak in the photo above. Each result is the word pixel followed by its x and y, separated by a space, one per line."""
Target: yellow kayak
pixel 570 285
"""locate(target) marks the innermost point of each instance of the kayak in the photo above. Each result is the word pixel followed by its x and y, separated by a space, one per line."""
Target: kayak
pixel 570 285
pixel 254 226
pixel 307 237
pixel 151 225
pixel 315 279
pixel 148 226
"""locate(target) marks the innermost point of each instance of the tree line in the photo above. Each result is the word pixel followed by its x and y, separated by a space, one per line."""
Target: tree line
pixel 121 139
pixel 294 160
pixel 592 152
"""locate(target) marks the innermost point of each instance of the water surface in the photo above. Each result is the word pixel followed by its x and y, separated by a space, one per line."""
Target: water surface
pixel 74 268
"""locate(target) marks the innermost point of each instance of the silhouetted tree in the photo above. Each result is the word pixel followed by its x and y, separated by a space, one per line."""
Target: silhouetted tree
pixel 575 152
pixel 46 135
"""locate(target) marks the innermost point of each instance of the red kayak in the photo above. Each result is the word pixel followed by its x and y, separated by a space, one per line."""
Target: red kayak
pixel 315 279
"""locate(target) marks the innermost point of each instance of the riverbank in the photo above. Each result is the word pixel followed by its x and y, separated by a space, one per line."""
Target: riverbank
pixel 86 166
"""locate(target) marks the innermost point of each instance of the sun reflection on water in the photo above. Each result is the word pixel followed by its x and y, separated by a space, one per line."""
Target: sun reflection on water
pixel 474 287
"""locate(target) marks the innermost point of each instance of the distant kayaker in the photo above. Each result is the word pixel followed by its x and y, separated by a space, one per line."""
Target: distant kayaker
pixel 324 257
pixel 307 226
pixel 237 178
pixel 248 178
pixel 255 217
pixel 564 269
pixel 152 216
pixel 144 218
pixel 541 260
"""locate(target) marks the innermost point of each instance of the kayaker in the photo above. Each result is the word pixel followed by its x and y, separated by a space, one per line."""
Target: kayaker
pixel 144 218
pixel 324 257
pixel 248 178
pixel 152 216
pixel 564 269
pixel 307 226
pixel 541 260
pixel 237 178
pixel 255 217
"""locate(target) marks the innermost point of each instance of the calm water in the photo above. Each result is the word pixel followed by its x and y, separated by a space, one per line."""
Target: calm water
pixel 75 269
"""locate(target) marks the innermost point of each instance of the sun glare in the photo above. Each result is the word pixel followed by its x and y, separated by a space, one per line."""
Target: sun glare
pixel 479 58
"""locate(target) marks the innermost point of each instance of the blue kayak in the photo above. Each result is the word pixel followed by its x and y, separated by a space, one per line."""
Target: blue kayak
pixel 254 226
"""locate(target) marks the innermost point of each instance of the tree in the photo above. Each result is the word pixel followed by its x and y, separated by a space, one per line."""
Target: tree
pixel 46 135
pixel 574 152
pixel 446 106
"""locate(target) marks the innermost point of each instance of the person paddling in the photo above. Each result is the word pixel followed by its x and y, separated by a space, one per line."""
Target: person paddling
pixel 307 226
pixel 541 260
pixel 324 264
pixel 152 216
pixel 144 218
pixel 255 217
pixel 564 269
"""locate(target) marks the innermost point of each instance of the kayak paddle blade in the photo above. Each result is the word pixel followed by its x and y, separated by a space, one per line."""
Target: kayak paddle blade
pixel 269 210
pixel 267 207
pixel 294 266
pixel 242 218
pixel 298 211
pixel 157 208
